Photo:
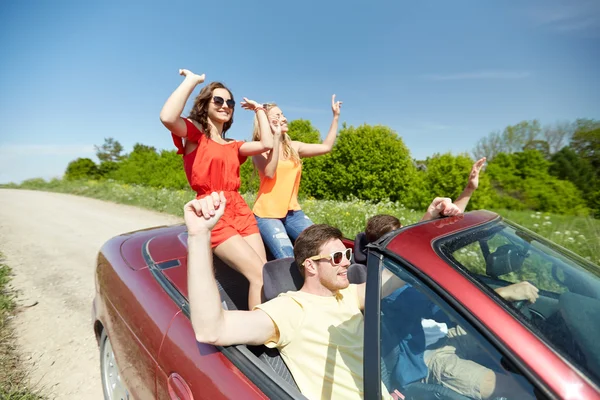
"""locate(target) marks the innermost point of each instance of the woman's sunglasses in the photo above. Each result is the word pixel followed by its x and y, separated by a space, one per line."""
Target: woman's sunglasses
pixel 219 101
pixel 336 257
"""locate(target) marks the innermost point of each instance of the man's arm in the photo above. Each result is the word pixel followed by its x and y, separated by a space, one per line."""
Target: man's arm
pixel 463 200
pixel 519 291
pixel 389 283
pixel 211 323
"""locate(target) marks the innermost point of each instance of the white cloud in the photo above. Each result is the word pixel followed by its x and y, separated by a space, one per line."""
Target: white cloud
pixel 573 16
pixel 479 75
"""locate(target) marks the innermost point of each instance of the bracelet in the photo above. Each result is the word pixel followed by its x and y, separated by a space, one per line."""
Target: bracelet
pixel 257 109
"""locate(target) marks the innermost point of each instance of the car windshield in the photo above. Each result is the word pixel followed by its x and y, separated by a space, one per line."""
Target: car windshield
pixel 566 315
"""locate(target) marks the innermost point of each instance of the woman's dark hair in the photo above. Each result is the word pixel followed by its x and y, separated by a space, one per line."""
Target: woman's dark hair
pixel 199 112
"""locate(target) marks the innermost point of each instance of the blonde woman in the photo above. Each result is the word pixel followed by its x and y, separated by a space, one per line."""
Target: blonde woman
pixel 279 216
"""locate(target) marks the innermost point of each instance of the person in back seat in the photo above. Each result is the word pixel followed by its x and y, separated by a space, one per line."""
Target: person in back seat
pixel 318 329
pixel 417 331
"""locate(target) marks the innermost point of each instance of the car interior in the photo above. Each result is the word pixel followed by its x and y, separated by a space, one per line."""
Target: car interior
pixel 566 314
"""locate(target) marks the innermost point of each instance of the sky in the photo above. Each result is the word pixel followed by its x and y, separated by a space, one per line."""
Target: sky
pixel 442 74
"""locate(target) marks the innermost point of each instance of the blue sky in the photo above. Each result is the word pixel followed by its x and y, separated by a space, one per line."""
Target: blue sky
pixel 442 74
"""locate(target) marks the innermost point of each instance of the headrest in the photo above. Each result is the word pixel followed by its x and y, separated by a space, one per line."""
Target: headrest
pixel 360 248
pixel 280 276
pixel 357 273
pixel 506 259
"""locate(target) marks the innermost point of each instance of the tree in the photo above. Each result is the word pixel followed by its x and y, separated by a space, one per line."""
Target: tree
pixel 489 146
pixel 303 131
pixel 557 135
pixel 109 151
pixel 540 145
pixel 82 168
pixel 145 166
pixel 514 138
pixel 447 176
pixel 368 162
pixel 586 142
pixel 522 181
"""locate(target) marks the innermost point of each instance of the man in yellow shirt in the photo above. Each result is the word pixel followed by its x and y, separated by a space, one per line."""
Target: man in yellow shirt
pixel 318 329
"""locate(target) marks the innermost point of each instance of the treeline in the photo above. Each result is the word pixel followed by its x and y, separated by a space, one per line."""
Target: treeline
pixel 554 169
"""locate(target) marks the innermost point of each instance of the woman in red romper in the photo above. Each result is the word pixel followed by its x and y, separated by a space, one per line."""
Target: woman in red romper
pixel 212 164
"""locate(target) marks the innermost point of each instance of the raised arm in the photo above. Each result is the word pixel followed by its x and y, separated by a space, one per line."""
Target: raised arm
pixel 211 323
pixel 267 162
pixel 462 200
pixel 170 115
pixel 317 149
pixel 253 148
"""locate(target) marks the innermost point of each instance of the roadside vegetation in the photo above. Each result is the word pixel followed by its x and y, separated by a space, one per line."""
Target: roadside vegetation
pixel 14 381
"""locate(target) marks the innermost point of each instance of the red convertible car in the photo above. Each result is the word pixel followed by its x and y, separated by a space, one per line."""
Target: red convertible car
pixel 549 349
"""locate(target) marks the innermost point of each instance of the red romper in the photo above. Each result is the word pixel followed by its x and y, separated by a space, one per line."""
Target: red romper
pixel 214 167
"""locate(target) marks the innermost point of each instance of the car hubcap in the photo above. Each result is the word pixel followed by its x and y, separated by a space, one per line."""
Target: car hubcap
pixel 112 380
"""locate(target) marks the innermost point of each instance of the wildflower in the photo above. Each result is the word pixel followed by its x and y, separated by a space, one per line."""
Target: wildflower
pixel 547 223
pixel 547 217
pixel 558 233
pixel 536 225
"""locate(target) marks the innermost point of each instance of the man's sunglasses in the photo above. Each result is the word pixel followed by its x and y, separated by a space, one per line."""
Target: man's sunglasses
pixel 219 101
pixel 336 257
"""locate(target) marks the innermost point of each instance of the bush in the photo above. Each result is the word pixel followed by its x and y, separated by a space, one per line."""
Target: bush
pixel 447 175
pixel 368 162
pixel 82 168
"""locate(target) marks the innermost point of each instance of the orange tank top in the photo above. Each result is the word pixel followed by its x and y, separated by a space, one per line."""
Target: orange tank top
pixel 277 195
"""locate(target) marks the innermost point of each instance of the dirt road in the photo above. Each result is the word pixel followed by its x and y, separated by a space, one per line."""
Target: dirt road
pixel 51 241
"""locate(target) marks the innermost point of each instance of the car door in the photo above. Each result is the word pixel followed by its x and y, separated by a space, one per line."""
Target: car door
pixel 449 365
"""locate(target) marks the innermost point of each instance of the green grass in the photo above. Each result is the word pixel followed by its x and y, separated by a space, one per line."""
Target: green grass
pixel 14 384
pixel 578 234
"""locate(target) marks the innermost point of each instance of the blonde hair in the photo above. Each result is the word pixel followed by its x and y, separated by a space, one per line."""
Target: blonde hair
pixel 288 151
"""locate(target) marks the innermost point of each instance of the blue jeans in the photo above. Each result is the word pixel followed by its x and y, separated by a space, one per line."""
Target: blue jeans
pixel 278 233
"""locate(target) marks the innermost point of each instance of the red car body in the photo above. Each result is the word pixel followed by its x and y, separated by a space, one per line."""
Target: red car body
pixel 141 306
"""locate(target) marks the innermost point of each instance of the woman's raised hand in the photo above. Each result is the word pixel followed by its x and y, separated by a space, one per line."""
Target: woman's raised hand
pixel 335 106
pixel 251 105
pixel 275 127
pixel 190 75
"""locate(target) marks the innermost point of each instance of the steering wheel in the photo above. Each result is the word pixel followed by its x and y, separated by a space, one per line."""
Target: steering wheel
pixel 523 307
pixel 520 304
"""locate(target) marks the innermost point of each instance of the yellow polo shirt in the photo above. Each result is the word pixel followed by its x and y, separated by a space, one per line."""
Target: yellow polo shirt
pixel 321 342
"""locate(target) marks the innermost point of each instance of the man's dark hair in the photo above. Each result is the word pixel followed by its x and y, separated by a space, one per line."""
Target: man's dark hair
pixel 310 241
pixel 379 225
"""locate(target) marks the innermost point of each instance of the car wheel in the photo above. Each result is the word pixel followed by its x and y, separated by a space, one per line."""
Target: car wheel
pixel 111 380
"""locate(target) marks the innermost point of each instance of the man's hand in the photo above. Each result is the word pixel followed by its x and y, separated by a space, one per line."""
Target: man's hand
pixel 202 215
pixel 441 207
pixel 473 182
pixel 519 291
pixel 335 107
